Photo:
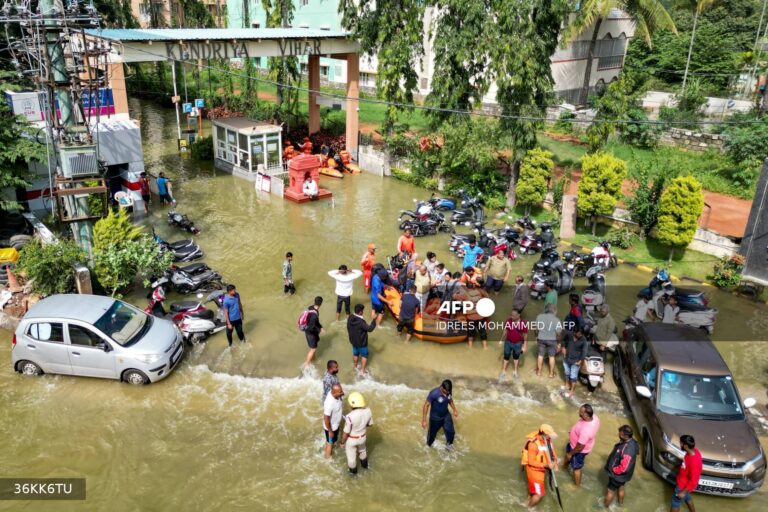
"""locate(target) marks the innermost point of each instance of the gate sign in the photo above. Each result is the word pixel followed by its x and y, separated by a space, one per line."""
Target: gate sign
pixel 199 103
pixel 187 107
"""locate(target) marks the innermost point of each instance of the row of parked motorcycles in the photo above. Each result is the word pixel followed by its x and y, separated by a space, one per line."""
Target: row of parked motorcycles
pixel 428 217
pixel 194 319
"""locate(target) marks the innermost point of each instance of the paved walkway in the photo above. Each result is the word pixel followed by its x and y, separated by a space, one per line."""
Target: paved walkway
pixel 568 222
pixel 722 214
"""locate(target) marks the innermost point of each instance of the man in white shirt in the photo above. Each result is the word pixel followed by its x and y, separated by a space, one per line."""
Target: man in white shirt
pixel 671 310
pixel 344 279
pixel 356 425
pixel 643 306
pixel 332 410
pixel 310 188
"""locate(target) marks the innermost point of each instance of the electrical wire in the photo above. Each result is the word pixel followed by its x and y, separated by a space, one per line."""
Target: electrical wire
pixel 442 109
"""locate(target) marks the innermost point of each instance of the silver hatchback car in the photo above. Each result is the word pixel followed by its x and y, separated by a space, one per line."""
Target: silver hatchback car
pixel 95 336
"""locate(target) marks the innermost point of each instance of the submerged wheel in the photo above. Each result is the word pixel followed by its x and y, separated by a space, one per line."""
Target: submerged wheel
pixel 135 378
pixel 616 370
pixel 648 452
pixel 29 368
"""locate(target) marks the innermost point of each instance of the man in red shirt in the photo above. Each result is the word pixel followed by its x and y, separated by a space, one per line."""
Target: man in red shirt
pixel 406 243
pixel 688 475
pixel 515 341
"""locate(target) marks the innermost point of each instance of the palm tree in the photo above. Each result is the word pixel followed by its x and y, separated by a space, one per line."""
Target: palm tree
pixel 698 7
pixel 649 16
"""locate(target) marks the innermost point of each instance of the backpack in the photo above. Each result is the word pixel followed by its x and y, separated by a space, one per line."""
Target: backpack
pixel 304 318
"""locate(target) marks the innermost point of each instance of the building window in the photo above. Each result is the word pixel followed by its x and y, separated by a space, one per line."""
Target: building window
pixel 255 25
pixel 324 71
pixel 304 68
pixel 424 83
pixel 337 70
pixel 365 78
pixel 610 52
pixel 304 3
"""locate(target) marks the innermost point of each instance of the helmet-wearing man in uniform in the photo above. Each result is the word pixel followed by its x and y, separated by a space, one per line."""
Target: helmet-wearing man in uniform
pixel 356 425
pixel 537 460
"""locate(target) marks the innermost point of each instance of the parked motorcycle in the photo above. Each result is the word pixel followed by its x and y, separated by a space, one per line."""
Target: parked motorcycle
pixel 687 299
pixel 183 250
pixel 200 326
pixel 703 318
pixel 592 369
pixel 471 211
pixel 549 255
pixel 182 221
pixel 594 295
pixel 434 204
pixel 184 282
pixel 458 240
pixel 531 243
pixel 556 273
pixel 424 224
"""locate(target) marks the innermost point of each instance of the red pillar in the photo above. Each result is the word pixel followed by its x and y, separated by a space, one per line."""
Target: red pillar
pixel 314 85
pixel 353 92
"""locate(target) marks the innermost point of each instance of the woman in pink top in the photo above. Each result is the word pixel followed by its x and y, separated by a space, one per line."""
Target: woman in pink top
pixel 581 439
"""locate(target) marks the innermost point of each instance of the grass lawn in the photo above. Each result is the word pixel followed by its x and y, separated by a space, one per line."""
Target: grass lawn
pixel 705 166
pixel 649 252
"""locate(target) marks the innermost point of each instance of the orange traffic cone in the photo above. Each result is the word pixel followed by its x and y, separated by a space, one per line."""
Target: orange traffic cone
pixel 13 283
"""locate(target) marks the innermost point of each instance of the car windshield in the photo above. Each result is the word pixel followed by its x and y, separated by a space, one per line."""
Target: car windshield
pixel 123 323
pixel 710 397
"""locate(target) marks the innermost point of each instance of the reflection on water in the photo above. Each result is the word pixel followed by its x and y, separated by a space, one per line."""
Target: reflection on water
pixel 237 429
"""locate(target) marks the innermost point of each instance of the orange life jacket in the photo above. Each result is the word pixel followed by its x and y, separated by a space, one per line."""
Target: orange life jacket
pixel 535 453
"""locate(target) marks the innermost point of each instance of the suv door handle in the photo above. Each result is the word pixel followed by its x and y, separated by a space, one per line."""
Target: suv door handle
pixel 75 353
pixel 31 346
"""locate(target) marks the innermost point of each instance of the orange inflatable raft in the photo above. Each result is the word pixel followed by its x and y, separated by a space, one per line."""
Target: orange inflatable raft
pixel 429 325
pixel 333 173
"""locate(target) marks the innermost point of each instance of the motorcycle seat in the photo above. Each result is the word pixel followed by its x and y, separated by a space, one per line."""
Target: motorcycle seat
pixel 180 244
pixel 184 305
pixel 205 314
pixel 194 268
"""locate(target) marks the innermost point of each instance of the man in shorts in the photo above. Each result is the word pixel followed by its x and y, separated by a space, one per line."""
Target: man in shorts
pixel 621 465
pixel 409 307
pixel 575 348
pixel 549 328
pixel 313 331
pixel 358 329
pixel 581 439
pixel 332 410
pixel 515 341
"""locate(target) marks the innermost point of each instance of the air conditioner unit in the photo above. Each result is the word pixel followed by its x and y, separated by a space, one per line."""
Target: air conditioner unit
pixel 79 161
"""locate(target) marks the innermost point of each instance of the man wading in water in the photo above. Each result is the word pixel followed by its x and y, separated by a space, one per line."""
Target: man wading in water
pixel 356 425
pixel 437 403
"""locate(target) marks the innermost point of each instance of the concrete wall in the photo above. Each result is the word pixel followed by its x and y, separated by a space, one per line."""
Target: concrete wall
pixel 692 141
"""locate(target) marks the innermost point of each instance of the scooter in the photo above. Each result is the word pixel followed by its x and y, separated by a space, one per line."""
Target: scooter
pixel 182 221
pixel 687 299
pixel 458 240
pixel 471 211
pixel 703 318
pixel 594 295
pixel 199 326
pixel 178 309
pixel 183 250
pixel 592 369
pixel 549 255
pixel 438 203
pixel 531 244
pixel 499 243
pixel 601 255
pixel 184 282
pixel 556 273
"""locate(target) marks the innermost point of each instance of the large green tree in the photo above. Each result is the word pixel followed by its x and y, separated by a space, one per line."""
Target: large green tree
pixel 697 7
pixel 393 31
pixel 284 70
pixel 724 34
pixel 16 150
pixel 525 37
pixel 649 16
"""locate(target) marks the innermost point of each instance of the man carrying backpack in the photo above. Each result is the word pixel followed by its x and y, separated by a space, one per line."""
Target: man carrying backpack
pixel 309 322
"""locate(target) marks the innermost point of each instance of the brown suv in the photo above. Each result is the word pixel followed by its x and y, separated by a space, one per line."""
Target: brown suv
pixel 677 383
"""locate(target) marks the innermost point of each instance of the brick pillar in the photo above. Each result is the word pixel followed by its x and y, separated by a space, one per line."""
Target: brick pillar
pixel 119 92
pixel 353 92
pixel 314 85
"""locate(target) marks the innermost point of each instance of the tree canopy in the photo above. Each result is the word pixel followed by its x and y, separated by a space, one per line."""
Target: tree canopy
pixel 680 207
pixel 600 186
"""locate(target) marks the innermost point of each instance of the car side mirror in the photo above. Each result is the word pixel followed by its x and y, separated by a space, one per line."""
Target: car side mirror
pixel 103 346
pixel 643 391
pixel 749 402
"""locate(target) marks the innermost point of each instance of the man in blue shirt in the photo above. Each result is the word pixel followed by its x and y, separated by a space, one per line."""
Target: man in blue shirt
pixel 377 298
pixel 233 314
pixel 163 185
pixel 409 307
pixel 471 253
pixel 437 404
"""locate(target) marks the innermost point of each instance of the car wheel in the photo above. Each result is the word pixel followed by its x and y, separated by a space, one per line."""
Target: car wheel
pixel 135 378
pixel 617 369
pixel 29 368
pixel 648 452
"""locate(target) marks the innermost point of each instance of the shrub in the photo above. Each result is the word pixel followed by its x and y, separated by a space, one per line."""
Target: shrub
pixel 558 190
pixel 535 170
pixel 50 266
pixel 600 186
pixel 623 237
pixel 563 124
pixel 639 133
pixel 727 271
pixel 679 210
pixel 202 148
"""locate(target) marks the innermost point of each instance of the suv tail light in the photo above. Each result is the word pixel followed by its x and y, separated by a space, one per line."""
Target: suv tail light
pixel 13 341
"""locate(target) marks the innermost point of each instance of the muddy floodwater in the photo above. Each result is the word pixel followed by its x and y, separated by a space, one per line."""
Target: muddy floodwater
pixel 240 429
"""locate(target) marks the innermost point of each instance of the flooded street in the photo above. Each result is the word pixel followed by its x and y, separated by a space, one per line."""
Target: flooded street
pixel 239 430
